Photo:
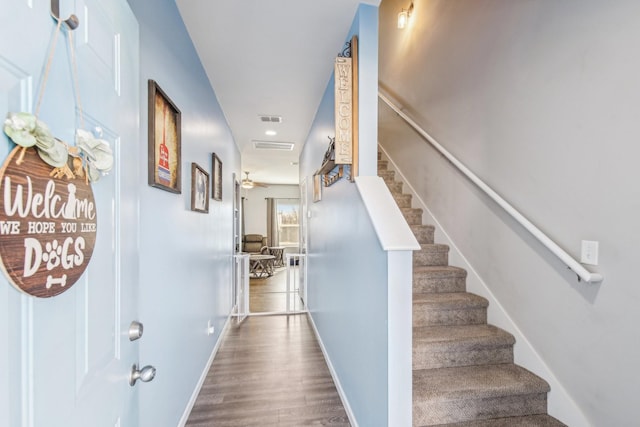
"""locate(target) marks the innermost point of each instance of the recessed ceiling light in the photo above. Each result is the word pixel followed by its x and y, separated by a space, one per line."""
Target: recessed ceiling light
pixel 271 132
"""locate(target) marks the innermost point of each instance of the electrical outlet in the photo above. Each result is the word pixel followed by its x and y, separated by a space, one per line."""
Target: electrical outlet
pixel 589 252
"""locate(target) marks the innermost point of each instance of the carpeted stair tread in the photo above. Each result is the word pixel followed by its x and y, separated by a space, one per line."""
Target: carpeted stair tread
pixel 413 216
pixel 382 164
pixel 434 247
pixel 471 393
pixel 394 187
pixel 387 175
pixel 423 233
pixel 450 300
pixel 403 200
pixel 528 421
pixel 474 335
pixel 473 382
pixel 431 254
pixel 455 308
pixel 439 271
pixel 465 345
pixel 438 278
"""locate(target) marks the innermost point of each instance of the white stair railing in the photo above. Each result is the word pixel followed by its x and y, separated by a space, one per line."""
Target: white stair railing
pixel 575 266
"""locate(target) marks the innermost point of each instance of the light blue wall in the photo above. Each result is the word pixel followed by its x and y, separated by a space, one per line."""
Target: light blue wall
pixel 185 264
pixel 347 266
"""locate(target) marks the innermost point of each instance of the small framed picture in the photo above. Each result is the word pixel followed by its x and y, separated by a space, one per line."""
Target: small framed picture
pixel 164 141
pixel 199 189
pixel 216 172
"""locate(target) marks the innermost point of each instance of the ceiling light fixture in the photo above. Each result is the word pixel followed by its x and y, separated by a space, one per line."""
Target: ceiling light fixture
pixel 249 183
pixel 272 145
pixel 270 132
pixel 404 16
pixel 270 118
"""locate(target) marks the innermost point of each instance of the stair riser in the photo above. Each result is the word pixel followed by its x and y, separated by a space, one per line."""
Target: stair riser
pixel 429 316
pixel 402 200
pixel 387 175
pixel 394 187
pixel 427 257
pixel 425 358
pixel 452 411
pixel 424 234
pixel 426 283
pixel 383 165
pixel 413 217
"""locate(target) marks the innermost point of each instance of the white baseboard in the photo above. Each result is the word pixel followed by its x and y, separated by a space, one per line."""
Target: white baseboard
pixel 334 375
pixel 203 376
pixel 560 403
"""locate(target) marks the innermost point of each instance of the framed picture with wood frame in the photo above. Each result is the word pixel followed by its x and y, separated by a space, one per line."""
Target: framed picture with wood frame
pixel 199 189
pixel 164 141
pixel 216 174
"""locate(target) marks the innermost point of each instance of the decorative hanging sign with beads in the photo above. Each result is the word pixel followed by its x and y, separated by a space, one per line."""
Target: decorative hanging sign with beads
pixel 48 225
pixel 48 218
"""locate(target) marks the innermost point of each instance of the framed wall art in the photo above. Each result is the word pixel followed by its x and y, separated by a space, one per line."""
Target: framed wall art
pixel 164 141
pixel 199 189
pixel 216 172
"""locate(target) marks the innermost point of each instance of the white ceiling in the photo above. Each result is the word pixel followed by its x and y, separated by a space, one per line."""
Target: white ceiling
pixel 269 57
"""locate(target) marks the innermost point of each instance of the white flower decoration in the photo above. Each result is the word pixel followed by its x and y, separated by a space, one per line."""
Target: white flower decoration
pixel 96 153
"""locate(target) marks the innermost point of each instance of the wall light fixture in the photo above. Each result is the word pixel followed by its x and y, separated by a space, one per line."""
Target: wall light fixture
pixel 404 16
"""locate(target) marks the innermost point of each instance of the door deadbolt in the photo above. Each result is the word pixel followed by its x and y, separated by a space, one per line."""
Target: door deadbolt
pixel 135 330
pixel 145 374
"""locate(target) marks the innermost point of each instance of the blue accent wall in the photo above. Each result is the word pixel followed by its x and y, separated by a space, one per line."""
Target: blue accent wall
pixel 185 257
pixel 347 268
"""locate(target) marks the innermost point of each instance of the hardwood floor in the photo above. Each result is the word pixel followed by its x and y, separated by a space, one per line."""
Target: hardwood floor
pixel 268 295
pixel 269 371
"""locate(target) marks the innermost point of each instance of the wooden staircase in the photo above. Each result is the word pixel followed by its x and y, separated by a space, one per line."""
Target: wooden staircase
pixel 463 370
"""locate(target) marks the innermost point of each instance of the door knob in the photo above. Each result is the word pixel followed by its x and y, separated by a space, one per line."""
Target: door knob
pixel 145 374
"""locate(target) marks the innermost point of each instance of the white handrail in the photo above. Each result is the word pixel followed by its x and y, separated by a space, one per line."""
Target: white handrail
pixel 575 266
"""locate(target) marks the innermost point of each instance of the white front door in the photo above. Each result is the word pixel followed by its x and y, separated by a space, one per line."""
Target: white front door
pixel 65 360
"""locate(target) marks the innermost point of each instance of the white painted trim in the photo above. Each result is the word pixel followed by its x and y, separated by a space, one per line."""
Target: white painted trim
pixel 334 375
pixel 203 376
pixel 393 232
pixel 400 338
pixel 560 403
pixel 274 313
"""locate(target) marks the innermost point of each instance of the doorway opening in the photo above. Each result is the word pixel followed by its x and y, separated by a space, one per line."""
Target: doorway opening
pixel 271 267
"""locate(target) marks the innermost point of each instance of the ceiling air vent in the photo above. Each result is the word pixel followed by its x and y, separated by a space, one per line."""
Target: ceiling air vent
pixel 273 145
pixel 271 119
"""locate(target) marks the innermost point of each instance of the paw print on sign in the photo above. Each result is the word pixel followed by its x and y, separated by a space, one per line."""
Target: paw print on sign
pixel 52 254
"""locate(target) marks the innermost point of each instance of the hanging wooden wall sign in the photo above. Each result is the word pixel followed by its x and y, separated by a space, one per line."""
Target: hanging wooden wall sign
pixel 47 225
pixel 344 110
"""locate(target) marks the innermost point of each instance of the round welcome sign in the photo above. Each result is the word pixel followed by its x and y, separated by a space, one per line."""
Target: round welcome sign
pixel 47 226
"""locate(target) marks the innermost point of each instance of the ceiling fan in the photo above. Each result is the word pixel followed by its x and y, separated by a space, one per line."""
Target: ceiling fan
pixel 247 183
